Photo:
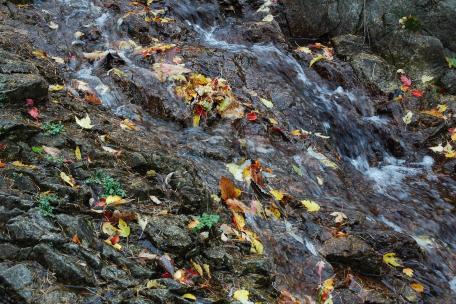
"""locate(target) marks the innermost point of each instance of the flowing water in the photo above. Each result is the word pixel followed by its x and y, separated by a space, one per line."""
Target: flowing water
pixel 396 189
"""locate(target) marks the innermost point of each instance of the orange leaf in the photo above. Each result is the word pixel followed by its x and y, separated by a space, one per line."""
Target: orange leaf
pixel 115 239
pixel 418 287
pixel 228 189
pixel 2 165
pixel 238 220
pixel 417 93
pixel 92 99
pixel 75 239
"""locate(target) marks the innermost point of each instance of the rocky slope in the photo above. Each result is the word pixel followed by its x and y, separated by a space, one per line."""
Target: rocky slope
pixel 328 135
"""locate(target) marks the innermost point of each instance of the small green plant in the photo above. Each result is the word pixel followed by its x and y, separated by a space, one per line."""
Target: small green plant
pixel 206 221
pixel 53 128
pixel 410 23
pixel 451 62
pixel 37 150
pixel 44 203
pixel 110 185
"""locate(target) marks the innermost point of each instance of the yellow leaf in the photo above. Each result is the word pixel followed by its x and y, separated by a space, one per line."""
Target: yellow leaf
pixel 273 211
pixel 124 229
pixel 418 287
pixel 207 269
pixel 257 246
pixel 196 120
pixel 442 108
pixel 77 153
pixel 310 205
pixel 153 284
pixel 408 271
pixel 238 220
pixel 453 136
pixel 56 88
pixel 328 285
pixel 236 170
pixel 39 54
pixel 198 268
pixel 391 259
pixel 68 179
pixel 84 123
pixel 316 59
pixel 116 245
pixel 189 296
pixel 114 200
pixel 241 295
pixel 296 133
pixel 19 164
pixel 278 195
pixel 109 229
pixel 303 49
pixel 149 2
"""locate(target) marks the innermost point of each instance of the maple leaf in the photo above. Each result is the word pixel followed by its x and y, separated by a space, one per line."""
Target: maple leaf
pixel 408 272
pixel 85 122
pixel 34 113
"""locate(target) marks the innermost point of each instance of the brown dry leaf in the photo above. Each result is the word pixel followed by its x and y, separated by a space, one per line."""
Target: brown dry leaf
pixel 92 98
pixel 237 205
pixel 434 112
pixel 54 152
pixel 228 189
pixel 238 220
pixel 75 239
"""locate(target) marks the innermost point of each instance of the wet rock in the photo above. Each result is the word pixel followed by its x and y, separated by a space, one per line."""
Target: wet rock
pixel 33 227
pixel 160 296
pixel 349 45
pixel 8 251
pixel 354 252
pixel 136 161
pixel 76 225
pixel 58 297
pixel 219 258
pixel 449 81
pixel 19 80
pixel 67 268
pixel 169 233
pixel 18 278
pixel 374 71
pixel 113 274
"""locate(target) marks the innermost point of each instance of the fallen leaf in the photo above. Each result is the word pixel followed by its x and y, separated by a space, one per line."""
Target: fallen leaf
pixel 407 118
pixel 340 217
pixel 405 80
pixel 2 165
pixel 68 179
pixel 124 229
pixel 207 270
pixel 257 246
pixel 75 239
pixel 97 55
pixel 267 103
pixel 417 93
pixel 236 171
pixel 452 131
pixel 303 49
pixel 84 123
pixel 408 271
pixel 268 18
pixel 59 60
pixel 111 150
pixel 39 54
pixel 310 205
pixel 278 195
pixel 328 285
pixel 236 205
pixel 19 164
pixel 189 296
pixel 238 220
pixel 77 153
pixel 241 295
pixel 155 199
pixel 228 189
pixel 418 287
pixel 34 113
pixel 391 259
pixel 198 268
pixel 56 88
pixel 128 125
pixel 154 284
pixel 114 200
pixel 142 221
pixel 437 149
pixel 426 78
pixel 54 152
pixel 92 98
pixel 316 59
pixel 297 170
pixel 53 25
pixel 109 229
pixel 251 116
pixel 165 71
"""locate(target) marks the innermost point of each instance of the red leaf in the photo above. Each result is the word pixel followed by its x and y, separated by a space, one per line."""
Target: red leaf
pixel 417 93
pixel 405 80
pixel 115 239
pixel 29 102
pixel 252 116
pixel 199 110
pixel 34 113
pixel 166 275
